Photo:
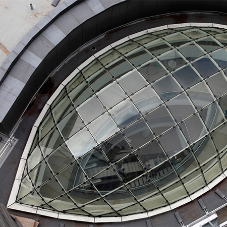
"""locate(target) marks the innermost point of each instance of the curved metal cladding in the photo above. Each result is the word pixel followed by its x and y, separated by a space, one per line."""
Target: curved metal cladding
pixel 140 127
pixel 81 30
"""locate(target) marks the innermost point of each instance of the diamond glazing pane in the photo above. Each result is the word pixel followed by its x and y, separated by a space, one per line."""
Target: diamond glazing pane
pixel 138 128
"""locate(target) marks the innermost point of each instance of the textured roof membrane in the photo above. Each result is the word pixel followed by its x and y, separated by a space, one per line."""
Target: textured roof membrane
pixel 139 128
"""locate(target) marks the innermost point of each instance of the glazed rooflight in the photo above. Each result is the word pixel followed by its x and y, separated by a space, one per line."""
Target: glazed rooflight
pixel 140 127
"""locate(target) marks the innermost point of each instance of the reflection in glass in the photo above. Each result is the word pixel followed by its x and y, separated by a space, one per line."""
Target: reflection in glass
pixel 186 76
pixel 139 128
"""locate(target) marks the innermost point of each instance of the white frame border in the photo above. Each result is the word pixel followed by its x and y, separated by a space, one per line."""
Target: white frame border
pixel 16 206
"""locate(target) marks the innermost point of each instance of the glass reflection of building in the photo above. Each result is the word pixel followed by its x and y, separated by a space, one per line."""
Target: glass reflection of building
pixel 140 127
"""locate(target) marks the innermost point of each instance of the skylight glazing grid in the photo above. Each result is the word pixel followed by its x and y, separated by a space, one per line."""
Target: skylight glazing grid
pixel 112 125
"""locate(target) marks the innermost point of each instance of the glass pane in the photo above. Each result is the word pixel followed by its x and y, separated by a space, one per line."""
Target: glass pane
pixel 152 71
pixel 120 198
pixel 62 109
pixel 212 116
pixel 84 194
pixel 151 155
pixel 138 134
pixel 33 199
pixel 177 143
pixel 175 192
pixel 124 113
pixel 111 95
pixel 146 99
pixel 130 168
pixel 172 60
pixel 193 128
pixel 34 158
pixel 187 77
pixel 177 39
pixel 103 127
pixel 119 68
pixel 220 56
pixel 99 80
pixel 157 47
pixel 94 162
pixel 132 210
pixel 127 47
pixel 194 181
pixel 218 84
pixel 62 203
pixel 46 125
pixel 191 51
pixel 40 174
pixel 211 170
pixel 204 150
pixel 71 176
pixel 159 120
pixel 71 124
pixel 142 187
pixel 81 143
pixel 208 44
pixel 90 109
pixel 25 187
pixel 109 57
pixel 224 160
pixel 205 67
pixel 200 95
pixel 145 39
pixel 98 208
pixel 80 94
pixel 184 162
pixel 138 57
pixel 180 107
pixel 50 142
pixel 155 201
pixel 195 33
pixel 219 137
pixel 91 68
pixel 50 190
pixel 167 88
pixel 164 175
pixel 106 181
pixel 116 147
pixel 60 158
pixel 222 38
pixel 132 82
pixel 223 104
pixel 77 80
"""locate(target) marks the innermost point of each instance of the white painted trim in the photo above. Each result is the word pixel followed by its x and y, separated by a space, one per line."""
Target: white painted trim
pixel 134 217
pixel 54 95
pixel 76 217
pixel 103 51
pixel 48 213
pixel 70 77
pixel 30 209
pixel 138 34
pixel 199 192
pixel 108 219
pixel 158 211
pixel 41 115
pixel 158 28
pixel 206 220
pixel 84 64
pixel 120 42
pixel 180 203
